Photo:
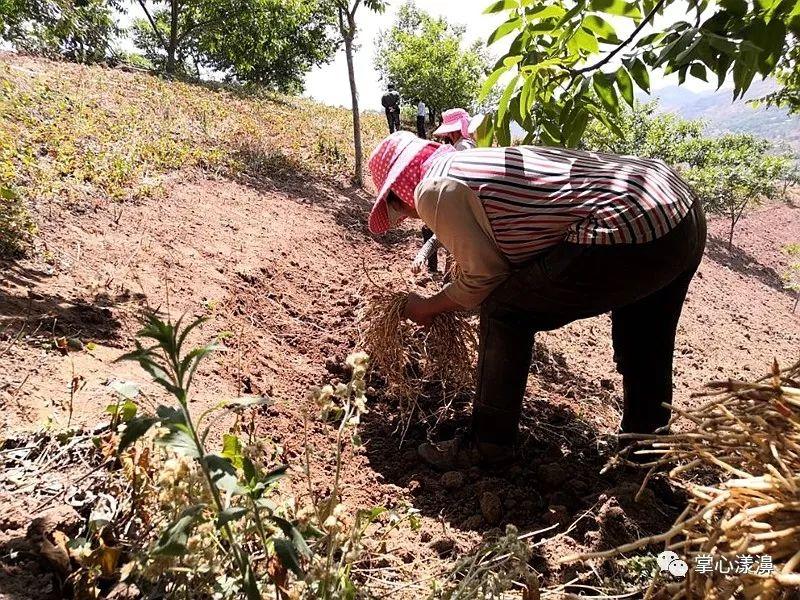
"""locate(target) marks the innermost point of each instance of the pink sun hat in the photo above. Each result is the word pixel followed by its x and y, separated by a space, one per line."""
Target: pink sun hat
pixel 397 163
pixel 455 119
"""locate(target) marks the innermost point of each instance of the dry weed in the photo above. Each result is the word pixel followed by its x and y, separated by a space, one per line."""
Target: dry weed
pixel 411 358
pixel 750 434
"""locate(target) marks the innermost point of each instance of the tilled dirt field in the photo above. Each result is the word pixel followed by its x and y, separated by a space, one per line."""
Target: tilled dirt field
pixel 279 269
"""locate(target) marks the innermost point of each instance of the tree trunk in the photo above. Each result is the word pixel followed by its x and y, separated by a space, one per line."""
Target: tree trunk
pixel 730 233
pixel 349 35
pixel 173 37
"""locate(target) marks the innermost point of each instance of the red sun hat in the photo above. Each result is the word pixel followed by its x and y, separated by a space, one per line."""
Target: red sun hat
pixel 397 164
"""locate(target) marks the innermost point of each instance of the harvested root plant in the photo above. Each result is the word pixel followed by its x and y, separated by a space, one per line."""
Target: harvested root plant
pixel 749 434
pixel 413 359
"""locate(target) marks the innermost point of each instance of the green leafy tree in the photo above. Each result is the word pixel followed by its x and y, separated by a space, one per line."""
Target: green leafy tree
pixel 645 133
pixel 78 31
pixel 425 58
pixel 788 75
pixel 346 15
pixel 272 43
pixel 733 173
pixel 567 64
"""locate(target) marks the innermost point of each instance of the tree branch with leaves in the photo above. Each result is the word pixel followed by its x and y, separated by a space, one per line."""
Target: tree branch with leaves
pixel 567 65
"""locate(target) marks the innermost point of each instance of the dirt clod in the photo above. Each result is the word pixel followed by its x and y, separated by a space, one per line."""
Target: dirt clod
pixel 452 480
pixel 473 522
pixel 491 508
pixel 615 526
pixel 59 518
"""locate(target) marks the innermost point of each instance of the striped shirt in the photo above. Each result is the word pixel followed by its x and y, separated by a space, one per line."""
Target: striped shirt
pixel 535 197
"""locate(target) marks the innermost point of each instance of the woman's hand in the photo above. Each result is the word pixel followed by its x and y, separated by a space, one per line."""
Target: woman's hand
pixel 424 310
pixel 418 310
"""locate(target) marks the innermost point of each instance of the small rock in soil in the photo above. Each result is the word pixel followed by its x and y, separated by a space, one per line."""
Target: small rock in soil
pixel 491 508
pixel 452 480
pixel 443 546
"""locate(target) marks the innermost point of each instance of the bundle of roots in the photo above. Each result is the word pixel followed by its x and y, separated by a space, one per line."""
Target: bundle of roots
pixel 414 359
pixel 749 434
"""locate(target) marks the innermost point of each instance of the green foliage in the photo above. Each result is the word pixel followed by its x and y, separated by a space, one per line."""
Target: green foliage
pixel 78 31
pixel 788 75
pixel 733 173
pixel 234 485
pixel 17 227
pixel 216 524
pixel 270 43
pixel 424 58
pixel 567 65
pixel 645 133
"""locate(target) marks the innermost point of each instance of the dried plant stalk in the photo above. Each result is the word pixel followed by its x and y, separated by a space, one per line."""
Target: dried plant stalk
pixel 410 357
pixel 750 434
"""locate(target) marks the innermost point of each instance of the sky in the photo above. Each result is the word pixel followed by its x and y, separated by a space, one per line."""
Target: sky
pixel 329 84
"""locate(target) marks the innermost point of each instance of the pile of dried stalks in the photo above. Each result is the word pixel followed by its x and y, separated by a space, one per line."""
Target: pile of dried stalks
pixel 412 358
pixel 749 433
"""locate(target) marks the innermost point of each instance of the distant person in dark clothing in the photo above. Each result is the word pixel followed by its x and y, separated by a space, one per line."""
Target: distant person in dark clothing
pixel 391 103
pixel 422 114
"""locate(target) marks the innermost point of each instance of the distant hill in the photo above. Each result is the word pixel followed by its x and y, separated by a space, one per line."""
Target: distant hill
pixel 723 115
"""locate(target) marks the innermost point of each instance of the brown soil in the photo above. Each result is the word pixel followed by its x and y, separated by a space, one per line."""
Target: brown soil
pixel 280 265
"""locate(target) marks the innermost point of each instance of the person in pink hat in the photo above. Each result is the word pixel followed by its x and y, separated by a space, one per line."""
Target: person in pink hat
pixel 456 128
pixel 545 236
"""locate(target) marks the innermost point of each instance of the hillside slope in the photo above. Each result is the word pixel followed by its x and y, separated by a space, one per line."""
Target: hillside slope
pixel 724 115
pixel 275 257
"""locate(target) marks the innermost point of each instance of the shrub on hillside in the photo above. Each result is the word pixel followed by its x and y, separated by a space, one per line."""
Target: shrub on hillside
pixel 16 224
pixel 733 173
